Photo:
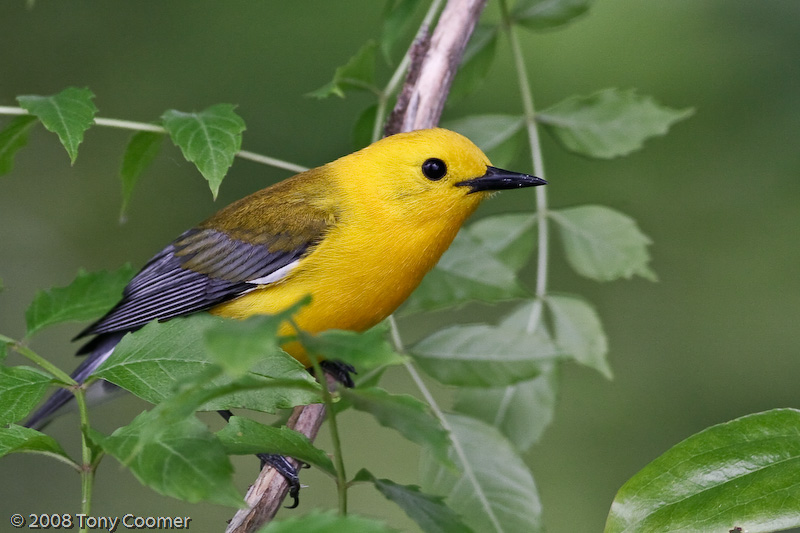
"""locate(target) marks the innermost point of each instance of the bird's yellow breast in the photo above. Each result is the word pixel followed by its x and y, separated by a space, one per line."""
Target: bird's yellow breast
pixel 391 225
pixel 357 276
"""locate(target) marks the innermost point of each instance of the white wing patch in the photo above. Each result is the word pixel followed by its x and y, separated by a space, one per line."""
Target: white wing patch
pixel 275 276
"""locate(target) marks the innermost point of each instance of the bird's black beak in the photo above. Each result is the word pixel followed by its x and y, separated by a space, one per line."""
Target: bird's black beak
pixel 497 179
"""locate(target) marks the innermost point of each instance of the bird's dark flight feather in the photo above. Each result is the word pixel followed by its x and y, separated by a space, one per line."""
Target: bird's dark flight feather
pixel 200 269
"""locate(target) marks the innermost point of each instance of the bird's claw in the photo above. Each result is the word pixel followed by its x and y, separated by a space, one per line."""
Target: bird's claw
pixel 289 473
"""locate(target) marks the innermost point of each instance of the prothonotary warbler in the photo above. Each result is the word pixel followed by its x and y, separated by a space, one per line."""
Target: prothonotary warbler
pixel 357 234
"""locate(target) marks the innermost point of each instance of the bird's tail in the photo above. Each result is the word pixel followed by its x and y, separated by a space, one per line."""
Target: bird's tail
pixel 102 346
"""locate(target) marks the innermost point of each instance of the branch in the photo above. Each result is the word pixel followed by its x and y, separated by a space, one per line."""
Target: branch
pixel 434 62
pixel 270 488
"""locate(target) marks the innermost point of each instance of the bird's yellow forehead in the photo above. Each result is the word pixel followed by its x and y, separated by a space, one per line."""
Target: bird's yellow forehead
pixel 404 153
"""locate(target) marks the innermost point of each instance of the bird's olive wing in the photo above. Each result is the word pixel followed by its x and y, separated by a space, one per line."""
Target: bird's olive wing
pixel 200 269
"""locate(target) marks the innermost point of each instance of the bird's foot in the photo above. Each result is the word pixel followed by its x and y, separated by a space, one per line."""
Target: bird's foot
pixel 340 372
pixel 282 465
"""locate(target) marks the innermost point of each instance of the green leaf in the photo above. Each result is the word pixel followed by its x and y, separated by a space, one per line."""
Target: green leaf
pixel 142 149
pixel 357 74
pixel 494 491
pixel 68 114
pixel 608 123
pixel 521 412
pixel 237 345
pixel 242 436
pixel 86 298
pixel 326 522
pixel 737 476
pixel 161 359
pixel 544 14
pixel 485 356
pixel 495 134
pixel 186 461
pixel 579 332
pixel 467 271
pixel 397 19
pixel 603 244
pixel 13 138
pixel 21 439
pixel 365 351
pixel 21 388
pixel 210 139
pixel 475 64
pixel 430 513
pixel 405 414
pixel 510 237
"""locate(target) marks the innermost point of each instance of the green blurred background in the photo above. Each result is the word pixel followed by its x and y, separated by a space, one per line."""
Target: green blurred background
pixel 715 339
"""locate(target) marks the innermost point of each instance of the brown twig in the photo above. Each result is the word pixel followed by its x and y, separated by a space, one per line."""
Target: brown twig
pixel 270 488
pixel 431 74
pixel 434 62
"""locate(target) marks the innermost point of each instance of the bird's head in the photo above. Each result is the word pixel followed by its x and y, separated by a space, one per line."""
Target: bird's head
pixel 424 173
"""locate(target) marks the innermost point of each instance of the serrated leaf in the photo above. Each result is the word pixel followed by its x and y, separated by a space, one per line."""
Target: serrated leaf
pixel 186 461
pixel 475 63
pixel 466 272
pixel 14 439
pixel 430 513
pixel 603 244
pixel 21 388
pixel 68 114
pixel 608 123
pixel 357 74
pixel 159 360
pixel 397 18
pixel 210 139
pixel 365 351
pixel 736 476
pixel 405 414
pixel 485 356
pixel 86 298
pixel 545 14
pixel 579 332
pixel 142 149
pixel 521 412
pixel 236 345
pixel 326 522
pixel 495 134
pixel 242 436
pixel 494 490
pixel 13 138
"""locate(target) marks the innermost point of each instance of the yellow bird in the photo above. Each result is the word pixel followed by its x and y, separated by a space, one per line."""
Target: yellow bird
pixel 357 234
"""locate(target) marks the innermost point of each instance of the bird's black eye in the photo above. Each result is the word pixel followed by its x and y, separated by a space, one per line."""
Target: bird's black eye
pixel 434 169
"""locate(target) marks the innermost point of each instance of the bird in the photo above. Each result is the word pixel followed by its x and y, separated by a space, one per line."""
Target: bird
pixel 357 234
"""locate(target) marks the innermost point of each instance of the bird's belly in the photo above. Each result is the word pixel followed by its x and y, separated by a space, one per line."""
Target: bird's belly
pixel 352 289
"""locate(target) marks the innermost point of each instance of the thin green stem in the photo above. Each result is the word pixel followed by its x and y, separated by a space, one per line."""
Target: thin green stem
pixel 34 357
pixel 271 161
pixel 338 458
pixel 89 464
pixel 155 128
pixel 469 473
pixel 538 167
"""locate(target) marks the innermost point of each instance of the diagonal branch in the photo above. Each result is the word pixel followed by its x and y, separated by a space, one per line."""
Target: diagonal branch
pixel 434 63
